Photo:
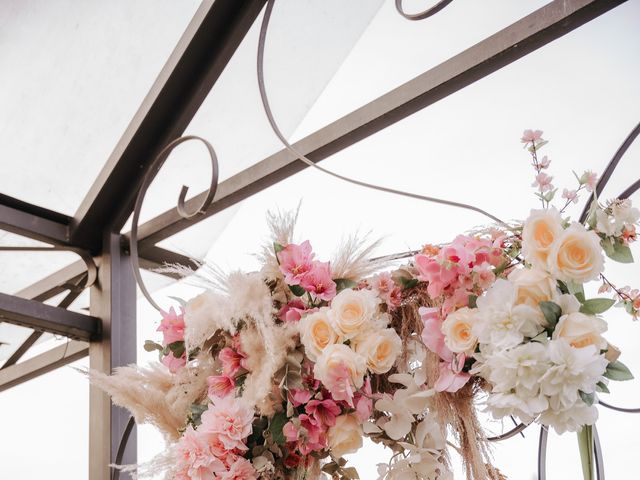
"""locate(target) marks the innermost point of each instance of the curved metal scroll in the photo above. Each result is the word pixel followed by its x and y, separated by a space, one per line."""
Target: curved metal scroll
pixel 422 15
pixel 303 158
pixel 182 211
pixel 92 270
pixel 510 434
pixel 611 166
pixel 542 453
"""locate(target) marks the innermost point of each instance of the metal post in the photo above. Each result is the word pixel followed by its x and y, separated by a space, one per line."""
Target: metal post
pixel 113 299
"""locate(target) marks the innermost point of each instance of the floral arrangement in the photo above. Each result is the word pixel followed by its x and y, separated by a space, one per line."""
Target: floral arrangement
pixel 278 374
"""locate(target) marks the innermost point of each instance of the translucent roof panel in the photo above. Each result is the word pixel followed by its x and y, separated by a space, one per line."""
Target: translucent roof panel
pixel 73 75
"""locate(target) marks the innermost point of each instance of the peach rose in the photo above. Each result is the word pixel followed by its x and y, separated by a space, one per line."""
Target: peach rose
pixel 581 330
pixel 380 348
pixel 540 231
pixel 533 286
pixel 458 335
pixel 316 333
pixel 345 436
pixel 352 311
pixel 576 255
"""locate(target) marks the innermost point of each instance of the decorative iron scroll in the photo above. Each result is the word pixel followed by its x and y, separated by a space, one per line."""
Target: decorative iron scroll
pixel 182 211
pixel 424 14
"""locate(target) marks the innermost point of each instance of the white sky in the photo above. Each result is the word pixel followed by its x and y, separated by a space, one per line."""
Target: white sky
pixel 581 90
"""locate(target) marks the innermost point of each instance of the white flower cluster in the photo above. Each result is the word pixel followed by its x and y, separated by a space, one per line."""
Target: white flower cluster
pixel 617 217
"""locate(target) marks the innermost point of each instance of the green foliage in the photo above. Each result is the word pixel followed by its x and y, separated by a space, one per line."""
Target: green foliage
pixel 344 283
pixel 618 371
pixel 408 283
pixel 617 250
pixel 275 427
pixel 587 398
pixel 594 306
pixel 297 290
pixel 552 313
pixel 602 387
pixel 473 301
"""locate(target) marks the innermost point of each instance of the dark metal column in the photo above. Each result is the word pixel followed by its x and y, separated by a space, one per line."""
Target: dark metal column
pixel 113 299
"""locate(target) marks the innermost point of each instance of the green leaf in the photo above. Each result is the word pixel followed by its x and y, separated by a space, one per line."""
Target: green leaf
pixel 563 287
pixel 576 289
pixel 473 301
pixel 277 247
pixel 602 387
pixel 587 398
pixel 297 290
pixel 618 371
pixel 276 425
pixel 595 306
pixel 177 348
pixel 196 411
pixel 408 282
pixel 552 313
pixel 585 443
pixel 351 473
pixel 150 346
pixel 343 283
pixel 621 253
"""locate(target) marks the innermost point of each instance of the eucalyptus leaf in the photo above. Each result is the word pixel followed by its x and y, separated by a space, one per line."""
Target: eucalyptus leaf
pixel 297 290
pixel 275 427
pixel 602 387
pixel 408 282
pixel 618 371
pixel 150 346
pixel 587 398
pixel 473 301
pixel 621 253
pixel 595 306
pixel 552 313
pixel 277 247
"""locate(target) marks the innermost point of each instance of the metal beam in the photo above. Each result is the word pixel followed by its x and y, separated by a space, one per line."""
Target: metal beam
pixel 508 45
pixel 113 300
pixel 34 222
pixel 196 63
pixel 43 363
pixel 37 315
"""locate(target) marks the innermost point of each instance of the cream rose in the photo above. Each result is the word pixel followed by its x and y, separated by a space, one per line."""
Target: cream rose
pixel 336 361
pixel 576 255
pixel 540 231
pixel 581 330
pixel 458 335
pixel 316 333
pixel 352 311
pixel 533 286
pixel 380 348
pixel 345 436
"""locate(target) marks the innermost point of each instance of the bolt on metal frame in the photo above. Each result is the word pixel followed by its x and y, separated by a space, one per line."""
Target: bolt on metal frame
pixel 214 34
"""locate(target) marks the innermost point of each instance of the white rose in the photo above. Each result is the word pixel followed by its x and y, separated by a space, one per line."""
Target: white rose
pixel 333 361
pixel 380 348
pixel 345 436
pixel 576 255
pixel 532 286
pixel 581 330
pixel 316 333
pixel 352 311
pixel 540 231
pixel 457 330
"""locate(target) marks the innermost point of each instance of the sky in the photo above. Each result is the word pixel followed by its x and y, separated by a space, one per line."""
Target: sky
pixel 323 60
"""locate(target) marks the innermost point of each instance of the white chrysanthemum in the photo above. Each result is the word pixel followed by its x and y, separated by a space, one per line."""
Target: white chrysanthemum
pixel 515 377
pixel 500 323
pixel 570 419
pixel 571 370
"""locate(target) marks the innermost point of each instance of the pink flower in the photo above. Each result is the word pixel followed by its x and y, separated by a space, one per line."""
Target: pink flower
pixel 589 179
pixel 432 335
pixel 172 363
pixel 484 275
pixel 314 436
pixel 299 397
pixel 338 382
pixel 220 385
pixel 295 262
pixel 363 402
pixel 318 281
pixel 452 378
pixel 570 195
pixel 290 432
pixel 529 136
pixel 384 286
pixel 544 163
pixel 241 469
pixel 323 411
pixel 543 182
pixel 232 361
pixel 195 458
pixel 230 419
pixel 172 326
pixel 292 311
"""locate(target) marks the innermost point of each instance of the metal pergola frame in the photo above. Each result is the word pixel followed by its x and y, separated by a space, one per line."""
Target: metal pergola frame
pixel 108 334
